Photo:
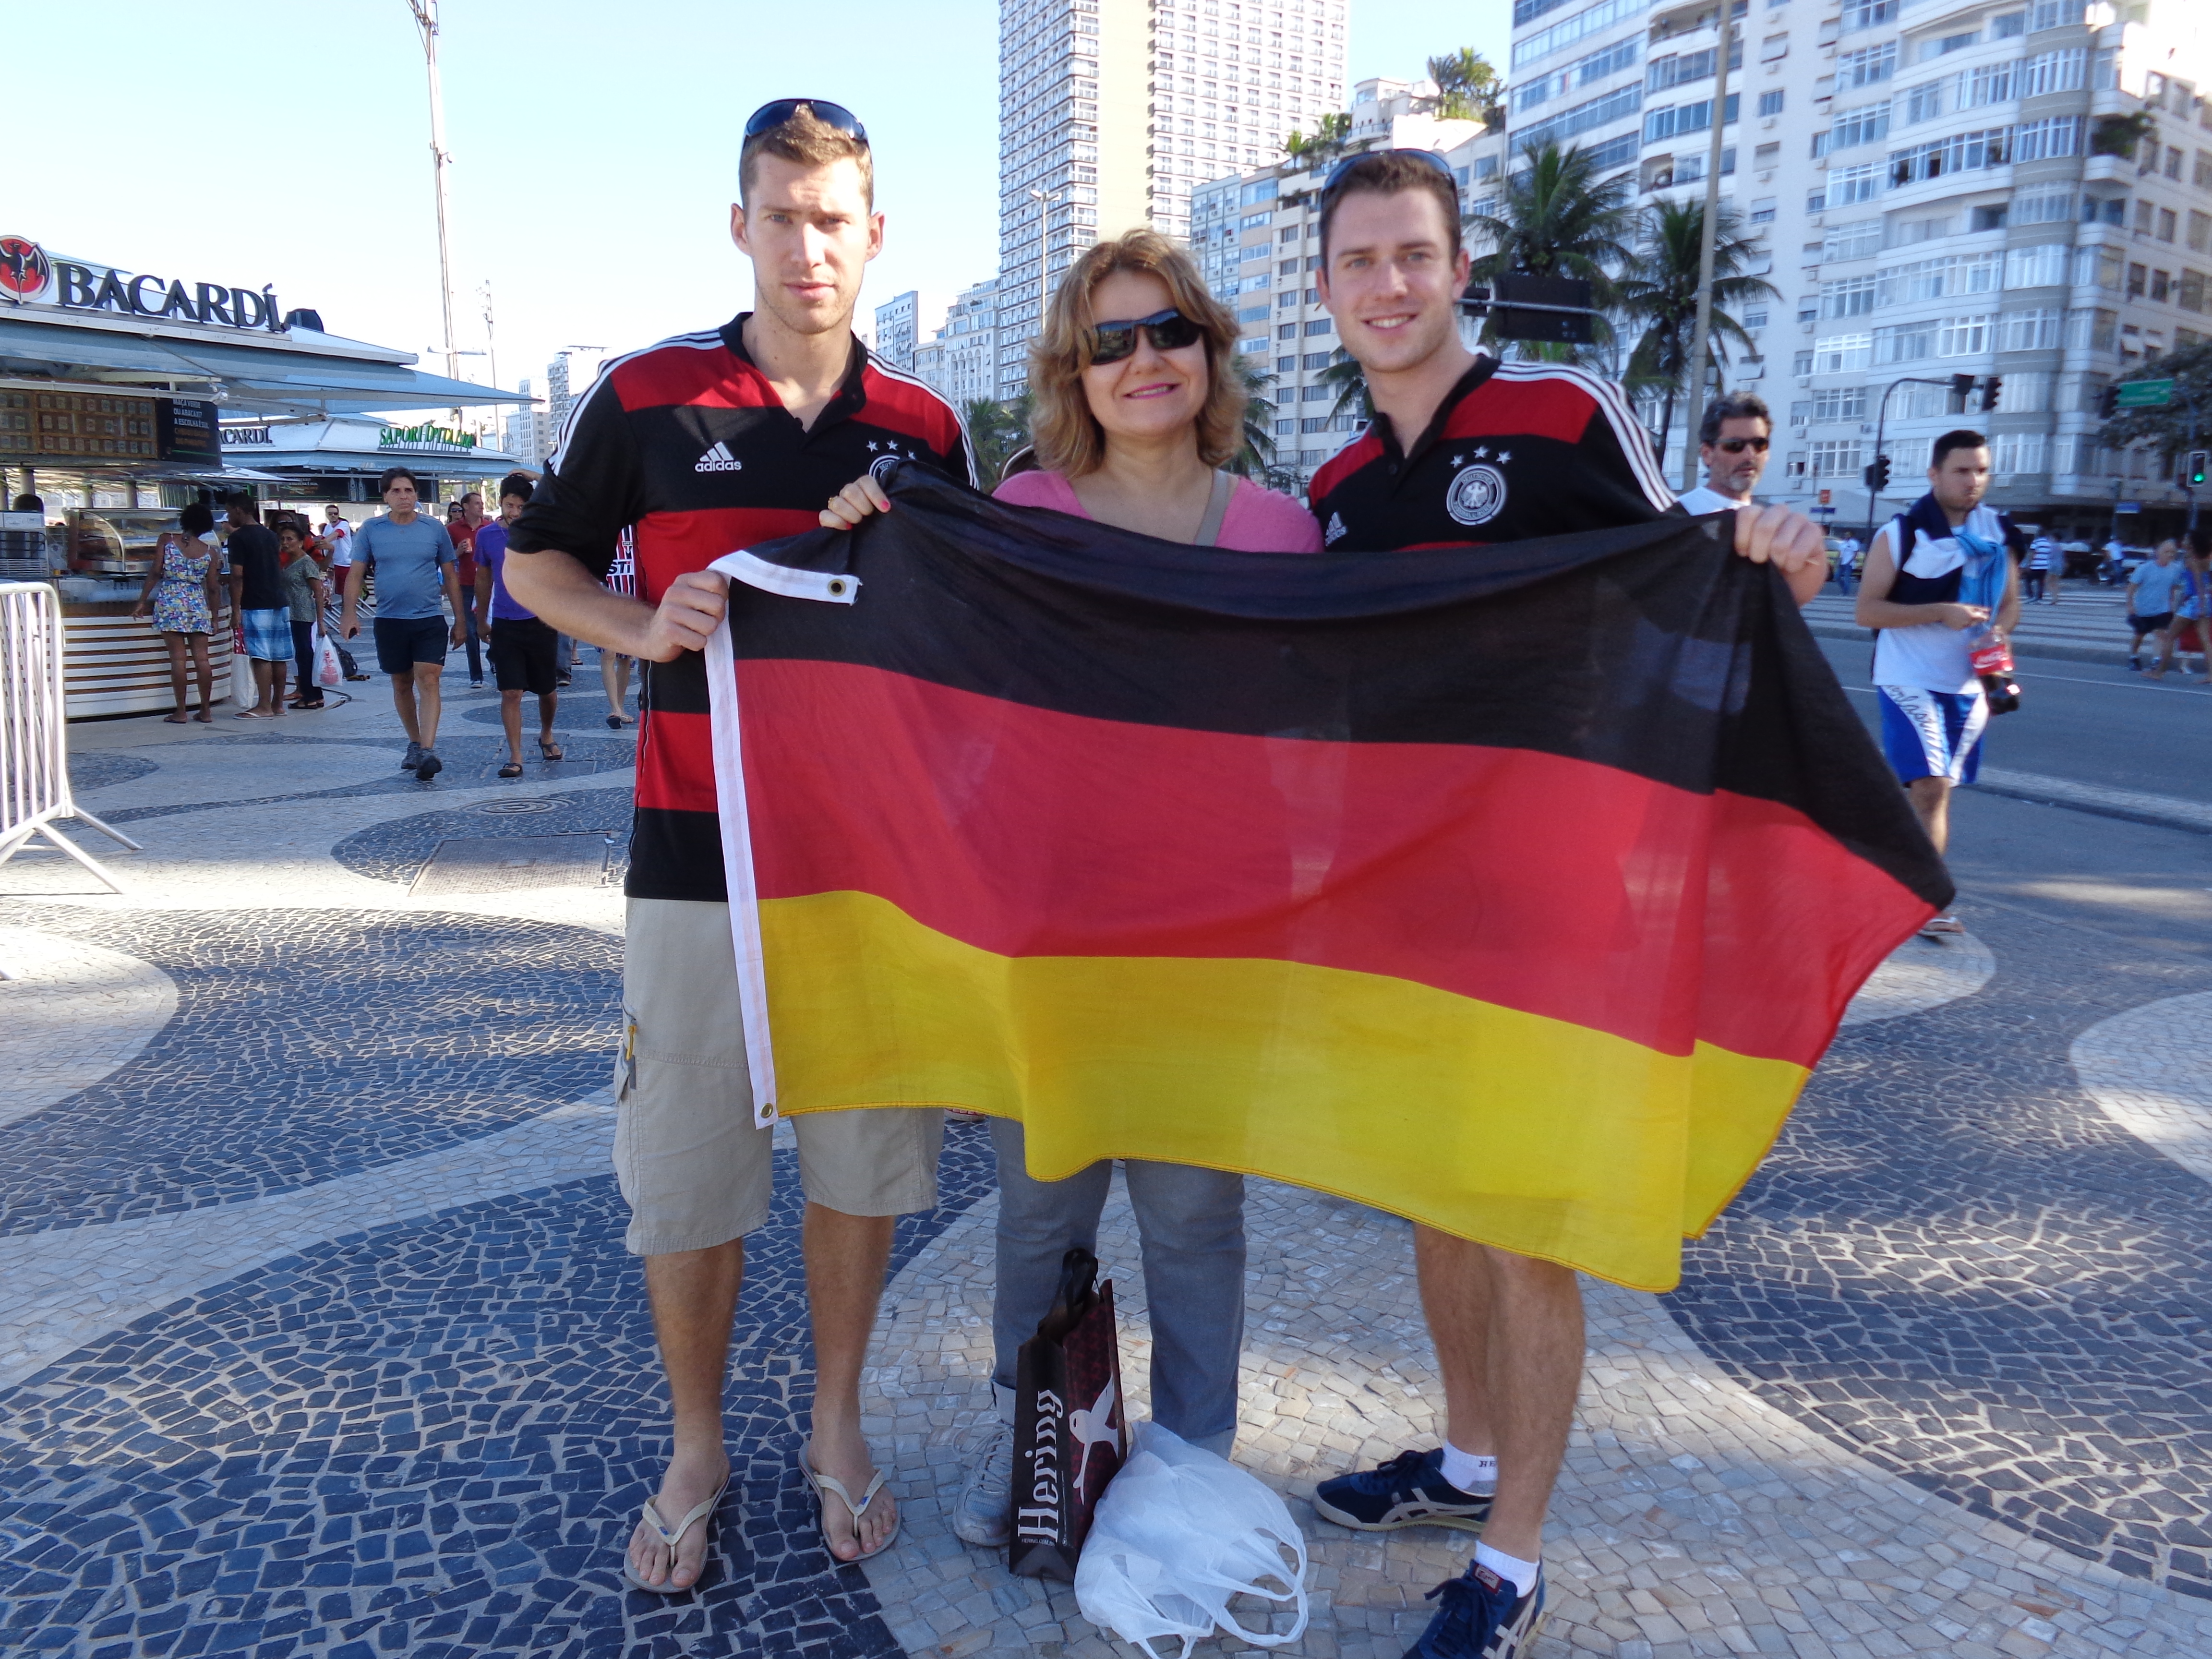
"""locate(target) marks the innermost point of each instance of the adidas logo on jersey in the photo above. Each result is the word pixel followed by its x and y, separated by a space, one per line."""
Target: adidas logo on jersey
pixel 718 460
pixel 1335 532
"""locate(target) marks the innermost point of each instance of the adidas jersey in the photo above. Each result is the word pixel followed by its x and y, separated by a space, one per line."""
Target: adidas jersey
pixel 686 446
pixel 1515 450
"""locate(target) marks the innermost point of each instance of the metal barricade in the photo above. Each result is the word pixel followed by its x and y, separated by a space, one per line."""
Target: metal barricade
pixel 34 786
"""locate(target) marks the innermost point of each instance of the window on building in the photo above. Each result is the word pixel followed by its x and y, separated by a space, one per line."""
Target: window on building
pixel 1317 359
pixel 2033 330
pixel 1286 330
pixel 1320 326
pixel 1841 354
pixel 1841 403
pixel 1769 103
pixel 1866 66
pixel 1904 343
pixel 2009 27
pixel 2161 286
pixel 1854 240
pixel 2167 224
pixel 1285 365
pixel 1852 296
pixel 1762 211
pixel 2138 281
pixel 1869 15
pixel 2042 207
pixel 1289 233
pixel 2042 266
pixel 1834 458
pixel 1856 184
pixel 1286 267
pixel 2190 291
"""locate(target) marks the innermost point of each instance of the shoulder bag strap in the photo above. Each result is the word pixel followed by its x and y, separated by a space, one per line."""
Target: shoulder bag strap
pixel 1216 509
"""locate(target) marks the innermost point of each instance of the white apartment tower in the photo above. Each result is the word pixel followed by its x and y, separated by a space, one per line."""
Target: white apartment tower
pixel 569 377
pixel 1111 111
pixel 903 322
pixel 2007 188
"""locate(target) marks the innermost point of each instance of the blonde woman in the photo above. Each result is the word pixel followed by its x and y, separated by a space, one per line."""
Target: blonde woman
pixel 1137 405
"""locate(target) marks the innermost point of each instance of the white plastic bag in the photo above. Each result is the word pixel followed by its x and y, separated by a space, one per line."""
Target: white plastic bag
pixel 1177 1533
pixel 327 670
pixel 243 692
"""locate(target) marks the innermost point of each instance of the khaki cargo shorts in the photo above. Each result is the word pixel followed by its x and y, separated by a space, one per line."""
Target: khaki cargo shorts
pixel 694 1169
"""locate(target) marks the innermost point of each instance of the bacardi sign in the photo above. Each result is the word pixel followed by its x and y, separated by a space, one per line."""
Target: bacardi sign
pixel 30 276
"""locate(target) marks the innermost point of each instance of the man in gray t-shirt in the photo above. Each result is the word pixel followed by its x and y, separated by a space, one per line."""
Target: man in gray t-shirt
pixel 418 588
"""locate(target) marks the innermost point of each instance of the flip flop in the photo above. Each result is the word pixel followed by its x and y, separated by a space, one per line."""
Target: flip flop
pixel 826 1485
pixel 205 718
pixel 177 719
pixel 1939 925
pixel 512 769
pixel 671 1537
pixel 548 751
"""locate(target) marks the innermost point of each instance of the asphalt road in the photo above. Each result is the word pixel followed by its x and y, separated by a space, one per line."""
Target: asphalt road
pixel 2138 885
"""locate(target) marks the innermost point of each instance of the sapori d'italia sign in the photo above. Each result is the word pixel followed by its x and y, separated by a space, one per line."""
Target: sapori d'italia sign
pixel 426 437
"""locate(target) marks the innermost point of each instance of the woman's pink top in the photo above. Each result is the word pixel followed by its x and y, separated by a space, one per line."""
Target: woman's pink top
pixel 1258 521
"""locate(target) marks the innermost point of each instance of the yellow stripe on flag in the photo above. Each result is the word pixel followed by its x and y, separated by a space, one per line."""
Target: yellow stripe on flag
pixel 1531 1133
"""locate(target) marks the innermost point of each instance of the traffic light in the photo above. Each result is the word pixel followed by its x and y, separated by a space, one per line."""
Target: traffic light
pixel 1961 385
pixel 2197 460
pixel 2109 404
pixel 1990 388
pixel 1877 474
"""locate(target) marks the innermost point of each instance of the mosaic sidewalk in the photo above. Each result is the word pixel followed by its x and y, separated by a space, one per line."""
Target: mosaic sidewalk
pixel 316 1335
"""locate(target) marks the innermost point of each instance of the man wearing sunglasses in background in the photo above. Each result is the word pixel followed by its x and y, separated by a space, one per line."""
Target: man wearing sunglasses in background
pixel 1469 449
pixel 1732 442
pixel 703 444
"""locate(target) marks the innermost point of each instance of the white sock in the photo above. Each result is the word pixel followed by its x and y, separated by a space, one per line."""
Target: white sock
pixel 1520 1574
pixel 1468 1472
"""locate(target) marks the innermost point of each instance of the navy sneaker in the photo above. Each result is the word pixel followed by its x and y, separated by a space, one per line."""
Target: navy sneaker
pixel 1408 1491
pixel 427 766
pixel 1482 1616
pixel 412 758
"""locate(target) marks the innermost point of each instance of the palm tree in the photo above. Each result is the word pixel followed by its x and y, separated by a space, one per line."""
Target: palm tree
pixel 1332 132
pixel 1467 87
pixel 1344 374
pixel 996 430
pixel 1256 457
pixel 1661 294
pixel 1557 218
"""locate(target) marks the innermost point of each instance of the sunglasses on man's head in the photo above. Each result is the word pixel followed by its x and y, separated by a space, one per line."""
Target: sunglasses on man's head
pixel 770 116
pixel 1737 446
pixel 1169 330
pixel 1336 173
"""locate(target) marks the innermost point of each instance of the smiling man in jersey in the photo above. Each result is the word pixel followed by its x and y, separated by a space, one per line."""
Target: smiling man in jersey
pixel 701 445
pixel 1468 449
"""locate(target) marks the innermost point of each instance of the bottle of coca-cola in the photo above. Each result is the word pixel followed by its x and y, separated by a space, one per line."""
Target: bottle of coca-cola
pixel 1992 661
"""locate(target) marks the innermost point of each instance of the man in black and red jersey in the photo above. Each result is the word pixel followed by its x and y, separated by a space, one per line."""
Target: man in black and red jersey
pixel 1467 449
pixel 700 445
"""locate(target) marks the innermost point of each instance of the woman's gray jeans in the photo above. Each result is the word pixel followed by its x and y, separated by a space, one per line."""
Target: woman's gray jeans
pixel 1192 1225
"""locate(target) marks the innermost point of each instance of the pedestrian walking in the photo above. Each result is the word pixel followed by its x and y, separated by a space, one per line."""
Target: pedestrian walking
pixel 2154 590
pixel 185 598
pixel 463 524
pixel 521 645
pixel 1136 406
pixel 1458 453
pixel 2115 562
pixel 1847 562
pixel 1941 582
pixel 337 536
pixel 2192 616
pixel 416 582
pixel 306 589
pixel 256 596
pixel 708 441
pixel 614 667
pixel 2041 578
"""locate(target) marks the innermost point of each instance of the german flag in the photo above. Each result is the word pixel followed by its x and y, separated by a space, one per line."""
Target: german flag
pixel 1514 889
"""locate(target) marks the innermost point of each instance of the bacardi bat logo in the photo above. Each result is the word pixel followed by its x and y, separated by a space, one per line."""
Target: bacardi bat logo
pixel 24 267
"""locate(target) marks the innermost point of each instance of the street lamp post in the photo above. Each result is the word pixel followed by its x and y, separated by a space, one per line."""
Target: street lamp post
pixel 426 24
pixel 1044 199
pixel 1701 333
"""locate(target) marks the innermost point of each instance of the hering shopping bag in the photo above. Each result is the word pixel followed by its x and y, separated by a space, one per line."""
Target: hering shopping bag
pixel 1070 1431
pixel 243 692
pixel 327 670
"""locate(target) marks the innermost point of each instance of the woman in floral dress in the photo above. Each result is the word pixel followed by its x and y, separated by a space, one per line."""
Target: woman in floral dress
pixel 185 595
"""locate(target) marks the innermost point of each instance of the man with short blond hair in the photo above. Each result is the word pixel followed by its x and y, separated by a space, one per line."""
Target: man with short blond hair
pixel 705 443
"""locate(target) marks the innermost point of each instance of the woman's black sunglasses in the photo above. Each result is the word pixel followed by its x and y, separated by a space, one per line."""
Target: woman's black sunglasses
pixel 770 116
pixel 1169 330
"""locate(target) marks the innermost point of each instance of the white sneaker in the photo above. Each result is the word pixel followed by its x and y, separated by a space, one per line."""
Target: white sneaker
pixel 986 1509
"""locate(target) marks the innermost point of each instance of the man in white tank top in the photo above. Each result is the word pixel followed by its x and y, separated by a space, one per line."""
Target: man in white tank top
pixel 1932 603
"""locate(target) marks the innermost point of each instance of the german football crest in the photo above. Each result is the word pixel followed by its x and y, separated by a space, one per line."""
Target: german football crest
pixel 1477 493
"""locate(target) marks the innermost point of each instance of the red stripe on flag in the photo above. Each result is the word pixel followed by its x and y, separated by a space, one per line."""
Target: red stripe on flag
pixel 672 544
pixel 1555 886
pixel 676 763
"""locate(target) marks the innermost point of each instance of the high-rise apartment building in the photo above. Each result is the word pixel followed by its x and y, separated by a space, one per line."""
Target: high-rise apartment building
pixel 1257 237
pixel 2006 188
pixel 528 434
pixel 569 377
pixel 902 323
pixel 962 361
pixel 1110 112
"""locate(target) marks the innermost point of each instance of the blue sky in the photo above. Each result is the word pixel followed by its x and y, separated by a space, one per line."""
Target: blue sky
pixel 594 148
